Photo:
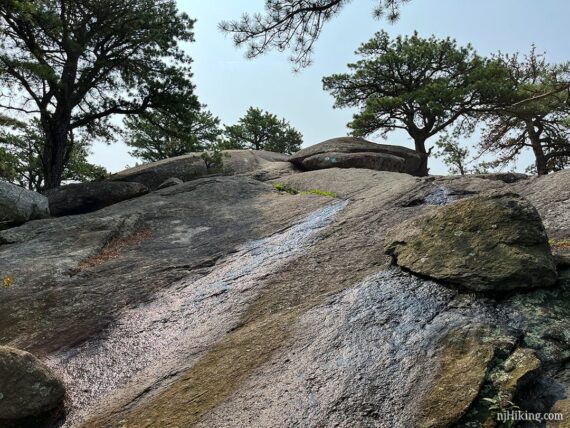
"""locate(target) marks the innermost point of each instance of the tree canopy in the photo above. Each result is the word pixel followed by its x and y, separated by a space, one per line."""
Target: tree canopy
pixel 294 25
pixel 155 135
pixel 73 64
pixel 535 114
pixel 419 85
pixel 260 130
pixel 20 157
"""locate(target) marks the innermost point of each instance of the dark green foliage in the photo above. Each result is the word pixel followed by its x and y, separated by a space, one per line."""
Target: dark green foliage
pixel 75 63
pixel 155 135
pixel 294 25
pixel 452 154
pixel 214 159
pixel 419 85
pixel 534 115
pixel 20 158
pixel 259 130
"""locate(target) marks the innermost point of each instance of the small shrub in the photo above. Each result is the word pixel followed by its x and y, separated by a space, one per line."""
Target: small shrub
pixel 560 244
pixel 280 187
pixel 214 160
pixel 6 282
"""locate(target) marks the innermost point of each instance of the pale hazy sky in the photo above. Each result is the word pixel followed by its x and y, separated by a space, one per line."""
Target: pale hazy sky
pixel 228 83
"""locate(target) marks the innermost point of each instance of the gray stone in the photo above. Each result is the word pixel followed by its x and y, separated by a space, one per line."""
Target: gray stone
pixel 505 177
pixel 192 166
pixel 87 197
pixel 351 152
pixel 19 205
pixel 369 160
pixel 172 181
pixel 490 242
pixel 222 302
pixel 27 387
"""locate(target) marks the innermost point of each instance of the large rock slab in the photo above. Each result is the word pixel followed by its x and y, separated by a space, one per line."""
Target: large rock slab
pixel 87 197
pixel 223 302
pixel 27 387
pixel 351 152
pixel 18 205
pixel 191 166
pixel 491 242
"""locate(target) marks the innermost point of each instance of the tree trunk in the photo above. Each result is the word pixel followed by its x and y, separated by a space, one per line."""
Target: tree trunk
pixel 55 150
pixel 420 145
pixel 541 164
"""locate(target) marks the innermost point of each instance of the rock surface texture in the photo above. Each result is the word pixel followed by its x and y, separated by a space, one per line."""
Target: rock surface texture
pixel 191 166
pixel 18 205
pixel 351 152
pixel 28 389
pixel 490 242
pixel 83 198
pixel 224 302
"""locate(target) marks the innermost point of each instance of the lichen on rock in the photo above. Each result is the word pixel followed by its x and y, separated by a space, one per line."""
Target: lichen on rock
pixel 490 242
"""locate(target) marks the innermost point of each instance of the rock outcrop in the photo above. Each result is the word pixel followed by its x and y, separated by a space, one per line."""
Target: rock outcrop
pixel 490 242
pixel 191 166
pixel 18 205
pixel 223 301
pixel 29 391
pixel 351 152
pixel 172 181
pixel 83 198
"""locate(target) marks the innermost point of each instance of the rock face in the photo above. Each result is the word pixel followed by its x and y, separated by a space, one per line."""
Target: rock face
pixel 223 302
pixel 87 197
pixel 191 166
pixel 172 181
pixel 350 152
pixel 27 387
pixel 492 242
pixel 18 205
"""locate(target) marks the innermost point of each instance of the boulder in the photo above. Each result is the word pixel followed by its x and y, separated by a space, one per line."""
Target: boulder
pixel 191 166
pixel 19 205
pixel 172 181
pixel 505 177
pixel 28 388
pixel 87 197
pixel 491 242
pixel 367 160
pixel 351 152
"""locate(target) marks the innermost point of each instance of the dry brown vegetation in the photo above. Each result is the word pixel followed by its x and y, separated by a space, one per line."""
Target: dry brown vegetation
pixel 113 249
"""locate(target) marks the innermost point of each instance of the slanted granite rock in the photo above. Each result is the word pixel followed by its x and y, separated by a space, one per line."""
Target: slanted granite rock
pixel 464 360
pixel 19 205
pixel 192 166
pixel 172 181
pixel 550 194
pixel 87 197
pixel 221 302
pixel 28 388
pixel 351 152
pixel 491 242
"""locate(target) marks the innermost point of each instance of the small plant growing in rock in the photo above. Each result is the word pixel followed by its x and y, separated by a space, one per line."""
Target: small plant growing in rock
pixel 319 192
pixel 280 187
pixel 214 160
pixel 6 282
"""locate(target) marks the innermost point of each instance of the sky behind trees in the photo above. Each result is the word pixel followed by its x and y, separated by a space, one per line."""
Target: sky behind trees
pixel 228 83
